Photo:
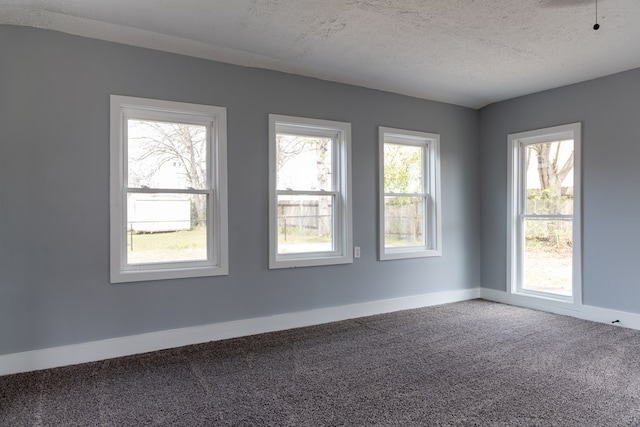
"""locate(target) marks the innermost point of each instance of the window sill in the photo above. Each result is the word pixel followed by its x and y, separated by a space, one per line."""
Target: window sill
pixel 148 274
pixel 301 261
pixel 408 254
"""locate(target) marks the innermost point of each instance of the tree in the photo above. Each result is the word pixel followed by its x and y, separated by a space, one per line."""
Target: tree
pixel 402 169
pixel 550 174
pixel 155 145
pixel 291 148
pixel 554 164
pixel 403 175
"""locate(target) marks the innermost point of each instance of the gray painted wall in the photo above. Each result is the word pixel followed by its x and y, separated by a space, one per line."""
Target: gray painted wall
pixel 54 192
pixel 609 109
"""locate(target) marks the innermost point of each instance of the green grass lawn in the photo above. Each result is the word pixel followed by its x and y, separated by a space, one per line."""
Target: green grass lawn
pixel 295 236
pixel 176 246
pixel 175 240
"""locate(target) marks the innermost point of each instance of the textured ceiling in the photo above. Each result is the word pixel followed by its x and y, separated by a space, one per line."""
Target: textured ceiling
pixel 465 52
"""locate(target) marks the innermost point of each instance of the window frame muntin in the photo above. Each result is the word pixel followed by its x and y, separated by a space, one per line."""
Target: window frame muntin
pixel 432 216
pixel 340 133
pixel 125 108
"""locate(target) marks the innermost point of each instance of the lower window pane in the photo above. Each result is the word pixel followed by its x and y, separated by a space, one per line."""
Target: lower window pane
pixel 166 227
pixel 403 223
pixel 548 256
pixel 305 224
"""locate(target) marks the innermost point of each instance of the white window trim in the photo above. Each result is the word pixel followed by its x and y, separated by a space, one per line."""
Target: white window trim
pixel 217 221
pixel 515 176
pixel 432 216
pixel 342 227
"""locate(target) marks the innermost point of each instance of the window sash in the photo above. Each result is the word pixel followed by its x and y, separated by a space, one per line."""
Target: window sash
pixel 425 147
pixel 336 159
pixel 519 216
pixel 430 221
pixel 336 224
pixel 424 222
pixel 520 257
pixel 137 113
pixel 170 118
pixel 307 193
pixel 392 194
pixel 522 167
pixel 166 190
pixel 523 215
pixel 340 191
pixel 545 217
pixel 212 249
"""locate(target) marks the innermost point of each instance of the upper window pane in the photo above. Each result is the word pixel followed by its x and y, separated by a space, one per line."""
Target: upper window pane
pixel 166 155
pixel 403 168
pixel 549 178
pixel 304 162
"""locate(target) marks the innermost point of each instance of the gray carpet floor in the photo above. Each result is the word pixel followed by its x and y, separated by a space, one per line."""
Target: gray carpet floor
pixel 462 364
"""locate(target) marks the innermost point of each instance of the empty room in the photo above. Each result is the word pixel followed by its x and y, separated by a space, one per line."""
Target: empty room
pixel 319 213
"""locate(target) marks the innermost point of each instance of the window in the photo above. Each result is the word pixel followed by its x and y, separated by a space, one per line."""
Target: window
pixel 544 213
pixel 168 190
pixel 409 194
pixel 309 192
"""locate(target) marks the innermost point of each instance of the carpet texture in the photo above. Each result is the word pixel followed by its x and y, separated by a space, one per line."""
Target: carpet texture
pixel 462 364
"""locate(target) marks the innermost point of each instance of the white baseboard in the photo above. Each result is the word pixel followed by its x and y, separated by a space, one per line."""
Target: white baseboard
pixel 142 343
pixel 586 312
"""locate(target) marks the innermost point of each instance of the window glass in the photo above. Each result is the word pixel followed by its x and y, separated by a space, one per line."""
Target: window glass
pixel 403 168
pixel 305 224
pixel 304 163
pixel 166 227
pixel 549 177
pixel 166 155
pixel 404 221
